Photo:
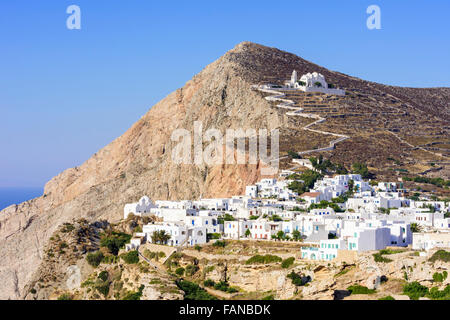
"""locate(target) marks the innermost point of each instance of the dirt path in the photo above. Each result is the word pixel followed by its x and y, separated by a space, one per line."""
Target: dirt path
pixel 288 104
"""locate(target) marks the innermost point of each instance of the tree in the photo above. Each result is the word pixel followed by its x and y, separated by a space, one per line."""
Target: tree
pixel 160 236
pixel 94 259
pixel 131 257
pixel 293 154
pixel 179 271
pixel 351 186
pixel 361 169
pixel 296 235
pixel 415 227
pixel 114 241
pixel 280 235
pixel 225 217
pixel 415 290
pixel 247 233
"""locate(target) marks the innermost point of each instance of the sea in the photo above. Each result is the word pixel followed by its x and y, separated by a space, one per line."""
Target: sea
pixel 9 196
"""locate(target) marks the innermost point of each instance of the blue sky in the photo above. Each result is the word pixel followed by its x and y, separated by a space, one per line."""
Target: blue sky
pixel 64 94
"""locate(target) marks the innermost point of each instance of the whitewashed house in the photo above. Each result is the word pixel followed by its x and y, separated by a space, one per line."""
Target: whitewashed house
pixel 180 233
pixel 173 214
pixel 236 229
pixel 263 229
pixel 311 197
pixel 428 241
pixel 251 191
pixel 140 208
pixel 210 223
pixel 320 212
pixel 218 204
pixel 327 250
pixel 168 204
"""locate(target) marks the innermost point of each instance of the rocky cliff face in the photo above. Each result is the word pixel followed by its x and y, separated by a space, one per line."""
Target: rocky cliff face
pixel 139 162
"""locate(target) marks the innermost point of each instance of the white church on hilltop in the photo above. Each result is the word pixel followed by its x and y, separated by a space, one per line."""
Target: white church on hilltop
pixel 312 82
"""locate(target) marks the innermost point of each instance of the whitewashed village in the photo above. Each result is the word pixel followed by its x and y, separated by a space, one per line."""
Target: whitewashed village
pixel 338 215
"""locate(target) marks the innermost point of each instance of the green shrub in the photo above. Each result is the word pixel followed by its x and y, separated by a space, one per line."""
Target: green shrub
pixel 191 269
pixel 269 297
pixel 232 290
pixel 287 262
pixel 378 257
pixel 439 277
pixel 65 296
pixel 358 289
pixel 220 243
pixel 415 290
pixel 103 275
pixel 179 271
pixel 436 294
pixel 441 255
pixel 134 295
pixel 193 291
pixel 387 298
pixel 391 251
pixel 225 287
pixel 209 283
pixel 198 248
pixel 114 241
pixel 110 259
pixel 130 257
pixel 103 288
pixel 67 227
pixel 210 236
pixel 297 279
pixel 94 259
pixel 268 258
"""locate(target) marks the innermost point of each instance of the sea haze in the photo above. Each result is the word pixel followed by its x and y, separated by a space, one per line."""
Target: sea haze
pixel 9 196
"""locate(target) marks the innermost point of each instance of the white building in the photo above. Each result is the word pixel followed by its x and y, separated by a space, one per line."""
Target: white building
pixel 311 197
pixel 427 241
pixel 140 208
pixel 263 229
pixel 319 212
pixel 212 204
pixel 236 229
pixel 173 214
pixel 312 82
pixel 168 204
pixel 251 191
pixel 327 250
pixel 180 233
pixel 210 223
